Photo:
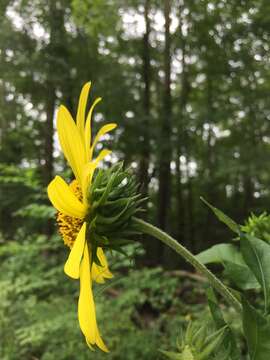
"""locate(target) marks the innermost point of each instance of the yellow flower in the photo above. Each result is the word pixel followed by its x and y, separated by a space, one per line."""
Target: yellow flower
pixel 73 205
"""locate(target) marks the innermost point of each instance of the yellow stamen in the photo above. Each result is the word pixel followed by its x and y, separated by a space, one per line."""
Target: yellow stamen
pixel 70 226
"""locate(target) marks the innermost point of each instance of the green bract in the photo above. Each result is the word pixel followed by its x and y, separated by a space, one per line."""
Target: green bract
pixel 114 201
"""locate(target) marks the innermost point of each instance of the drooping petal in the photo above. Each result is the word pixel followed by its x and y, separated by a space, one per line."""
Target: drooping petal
pixel 101 156
pixel 64 200
pixel 80 118
pixel 72 265
pixel 100 343
pixel 87 129
pixel 86 306
pixel 100 273
pixel 104 130
pixel 71 142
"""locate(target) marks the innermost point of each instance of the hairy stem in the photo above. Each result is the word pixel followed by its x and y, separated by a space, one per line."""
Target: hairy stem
pixel 189 257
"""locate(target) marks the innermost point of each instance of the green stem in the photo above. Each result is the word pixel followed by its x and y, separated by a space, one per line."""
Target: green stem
pixel 189 257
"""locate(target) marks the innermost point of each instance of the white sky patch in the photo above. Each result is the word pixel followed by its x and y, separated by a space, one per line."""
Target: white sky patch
pixel 15 18
pixel 134 24
pixel 37 30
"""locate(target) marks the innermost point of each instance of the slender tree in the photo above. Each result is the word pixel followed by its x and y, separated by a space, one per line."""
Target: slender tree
pixel 165 128
pixel 146 72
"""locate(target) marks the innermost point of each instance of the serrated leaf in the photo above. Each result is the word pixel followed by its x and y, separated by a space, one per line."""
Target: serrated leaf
pixel 223 217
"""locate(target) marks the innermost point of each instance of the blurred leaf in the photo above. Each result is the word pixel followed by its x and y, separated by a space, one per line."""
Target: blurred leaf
pixel 241 275
pixel 176 356
pixel 229 341
pixel 256 254
pixel 257 332
pixel 223 217
pixel 220 253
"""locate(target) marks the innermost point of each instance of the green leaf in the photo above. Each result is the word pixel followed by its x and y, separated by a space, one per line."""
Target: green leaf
pixel 219 254
pixel 173 355
pixel 241 275
pixel 257 332
pixel 214 308
pixel 229 343
pixel 214 342
pixel 235 267
pixel 223 217
pixel 256 254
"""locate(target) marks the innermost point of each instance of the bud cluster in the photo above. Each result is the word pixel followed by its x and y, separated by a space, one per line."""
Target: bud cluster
pixel 114 200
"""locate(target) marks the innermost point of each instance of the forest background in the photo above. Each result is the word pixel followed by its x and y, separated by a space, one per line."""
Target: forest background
pixel 188 84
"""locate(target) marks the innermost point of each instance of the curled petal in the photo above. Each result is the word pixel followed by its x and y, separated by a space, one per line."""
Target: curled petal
pixel 72 265
pixel 64 200
pixel 87 129
pixel 71 142
pixel 88 172
pixel 104 130
pixel 101 156
pixel 80 118
pixel 100 273
pixel 86 306
pixel 100 343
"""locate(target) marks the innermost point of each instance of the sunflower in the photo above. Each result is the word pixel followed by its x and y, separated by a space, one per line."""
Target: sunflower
pixel 73 205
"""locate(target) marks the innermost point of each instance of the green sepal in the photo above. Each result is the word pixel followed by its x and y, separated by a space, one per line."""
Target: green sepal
pixel 114 201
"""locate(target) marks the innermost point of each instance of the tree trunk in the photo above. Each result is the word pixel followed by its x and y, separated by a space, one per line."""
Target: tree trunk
pixel 145 146
pixel 181 140
pixel 165 138
pixel 165 148
pixel 50 105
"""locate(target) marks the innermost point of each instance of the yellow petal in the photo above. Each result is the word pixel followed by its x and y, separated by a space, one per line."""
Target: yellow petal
pixel 88 172
pixel 100 343
pixel 101 156
pixel 86 308
pixel 104 130
pixel 100 273
pixel 87 129
pixel 64 200
pixel 72 265
pixel 80 118
pixel 71 142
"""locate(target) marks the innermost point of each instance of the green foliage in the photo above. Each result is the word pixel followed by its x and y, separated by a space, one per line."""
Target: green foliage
pixel 219 254
pixel 223 217
pixel 114 200
pixel 258 226
pixel 233 263
pixel 38 305
pixel 199 343
pixel 257 331
pixel 220 147
pixel 256 255
pixel 228 347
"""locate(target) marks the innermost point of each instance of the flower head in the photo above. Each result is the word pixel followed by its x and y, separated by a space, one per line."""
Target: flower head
pixel 73 203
